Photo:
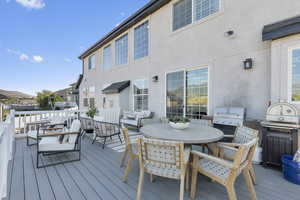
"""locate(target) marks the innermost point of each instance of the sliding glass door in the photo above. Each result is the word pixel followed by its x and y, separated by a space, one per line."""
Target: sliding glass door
pixel 187 93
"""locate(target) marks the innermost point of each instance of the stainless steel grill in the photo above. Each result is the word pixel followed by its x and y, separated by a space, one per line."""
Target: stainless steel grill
pixel 232 116
pixel 280 132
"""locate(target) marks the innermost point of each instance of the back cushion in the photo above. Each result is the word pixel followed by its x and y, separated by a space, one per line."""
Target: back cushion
pixel 244 135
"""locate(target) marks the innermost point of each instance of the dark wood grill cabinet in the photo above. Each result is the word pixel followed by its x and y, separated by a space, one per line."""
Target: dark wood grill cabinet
pixel 279 133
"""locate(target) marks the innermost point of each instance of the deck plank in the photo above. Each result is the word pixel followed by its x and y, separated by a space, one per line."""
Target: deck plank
pixel 73 189
pixel 45 188
pixel 17 185
pixel 30 181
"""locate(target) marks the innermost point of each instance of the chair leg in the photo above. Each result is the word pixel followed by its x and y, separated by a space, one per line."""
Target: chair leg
pixel 152 178
pixel 194 183
pixel 231 191
pixel 140 186
pixel 247 176
pixel 182 181
pixel 124 157
pixel 94 140
pixel 252 174
pixel 187 177
pixel 120 138
pixel 128 168
pixel 104 143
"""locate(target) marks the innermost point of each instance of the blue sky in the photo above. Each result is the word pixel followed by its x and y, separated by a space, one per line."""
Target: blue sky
pixel 40 40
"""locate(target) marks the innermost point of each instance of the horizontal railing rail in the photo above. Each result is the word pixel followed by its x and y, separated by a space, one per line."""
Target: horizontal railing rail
pixel 24 117
pixel 7 131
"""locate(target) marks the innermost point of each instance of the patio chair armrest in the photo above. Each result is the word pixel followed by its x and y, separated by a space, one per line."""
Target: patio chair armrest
pixel 228 136
pixel 51 129
pixel 230 144
pixel 214 159
pixel 224 146
pixel 58 133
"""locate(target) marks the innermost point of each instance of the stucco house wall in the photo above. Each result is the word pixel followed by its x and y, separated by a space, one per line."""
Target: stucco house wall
pixel 202 44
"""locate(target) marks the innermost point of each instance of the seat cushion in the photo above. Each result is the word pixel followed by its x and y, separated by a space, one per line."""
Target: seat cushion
pixel 53 144
pixel 159 170
pixel 214 168
pixel 134 147
pixel 130 122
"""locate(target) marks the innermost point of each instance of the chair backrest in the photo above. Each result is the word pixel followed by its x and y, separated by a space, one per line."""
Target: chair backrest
pixel 105 129
pixel 161 153
pixel 86 123
pixel 244 134
pixel 75 127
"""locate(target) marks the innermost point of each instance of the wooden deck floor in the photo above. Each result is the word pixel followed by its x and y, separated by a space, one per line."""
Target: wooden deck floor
pixel 98 176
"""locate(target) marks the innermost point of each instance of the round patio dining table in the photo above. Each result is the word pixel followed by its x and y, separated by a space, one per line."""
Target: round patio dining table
pixel 194 134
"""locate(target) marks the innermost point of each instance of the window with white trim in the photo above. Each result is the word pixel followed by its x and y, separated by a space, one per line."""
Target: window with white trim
pixel 141 40
pixel 92 61
pixel 188 11
pixel 140 94
pixel 85 102
pixel 122 50
pixel 107 57
pixel 295 74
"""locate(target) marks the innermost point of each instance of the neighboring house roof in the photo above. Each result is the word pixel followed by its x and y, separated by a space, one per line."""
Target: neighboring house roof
pixel 281 29
pixel 116 87
pixel 142 13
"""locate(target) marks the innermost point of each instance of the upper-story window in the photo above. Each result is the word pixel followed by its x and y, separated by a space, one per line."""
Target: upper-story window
pixel 141 40
pixel 187 11
pixel 295 74
pixel 92 61
pixel 107 57
pixel 122 50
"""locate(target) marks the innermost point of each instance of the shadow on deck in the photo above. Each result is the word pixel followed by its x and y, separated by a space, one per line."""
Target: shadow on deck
pixel 99 176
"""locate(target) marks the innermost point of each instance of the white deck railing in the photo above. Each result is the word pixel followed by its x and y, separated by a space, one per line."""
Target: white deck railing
pixel 7 131
pixel 24 117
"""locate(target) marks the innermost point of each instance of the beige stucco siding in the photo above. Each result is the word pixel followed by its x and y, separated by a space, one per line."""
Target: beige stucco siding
pixel 203 44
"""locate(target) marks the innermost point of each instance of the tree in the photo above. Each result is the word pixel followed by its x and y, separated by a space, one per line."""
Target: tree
pixel 46 99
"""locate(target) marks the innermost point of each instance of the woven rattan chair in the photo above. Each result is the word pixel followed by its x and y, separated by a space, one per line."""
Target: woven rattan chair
pixel 162 158
pixel 104 130
pixel 87 125
pixel 242 135
pixel 131 150
pixel 223 171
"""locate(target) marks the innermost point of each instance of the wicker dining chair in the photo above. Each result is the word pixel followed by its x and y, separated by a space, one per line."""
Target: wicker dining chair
pixel 87 125
pixel 130 150
pixel 242 135
pixel 162 158
pixel 223 171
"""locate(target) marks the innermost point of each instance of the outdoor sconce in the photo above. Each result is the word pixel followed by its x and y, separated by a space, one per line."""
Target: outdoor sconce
pixel 248 63
pixel 230 34
pixel 155 79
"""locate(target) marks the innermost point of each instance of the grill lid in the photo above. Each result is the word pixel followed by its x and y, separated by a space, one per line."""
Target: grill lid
pixel 283 112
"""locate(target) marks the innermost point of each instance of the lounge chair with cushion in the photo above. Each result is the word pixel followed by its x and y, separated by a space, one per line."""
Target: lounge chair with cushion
pixel 135 119
pixel 59 142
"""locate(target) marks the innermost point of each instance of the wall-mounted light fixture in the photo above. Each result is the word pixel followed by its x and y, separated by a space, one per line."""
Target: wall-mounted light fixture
pixel 155 79
pixel 248 63
pixel 230 34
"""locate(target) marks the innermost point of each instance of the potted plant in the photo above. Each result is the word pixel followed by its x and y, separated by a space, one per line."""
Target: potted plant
pixel 179 123
pixel 91 113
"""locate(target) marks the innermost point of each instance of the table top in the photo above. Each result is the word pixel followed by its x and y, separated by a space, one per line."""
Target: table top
pixel 194 134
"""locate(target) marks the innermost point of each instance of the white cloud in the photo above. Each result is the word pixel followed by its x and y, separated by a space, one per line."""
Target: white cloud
pixel 122 14
pixel 35 4
pixel 67 60
pixel 23 57
pixel 38 59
